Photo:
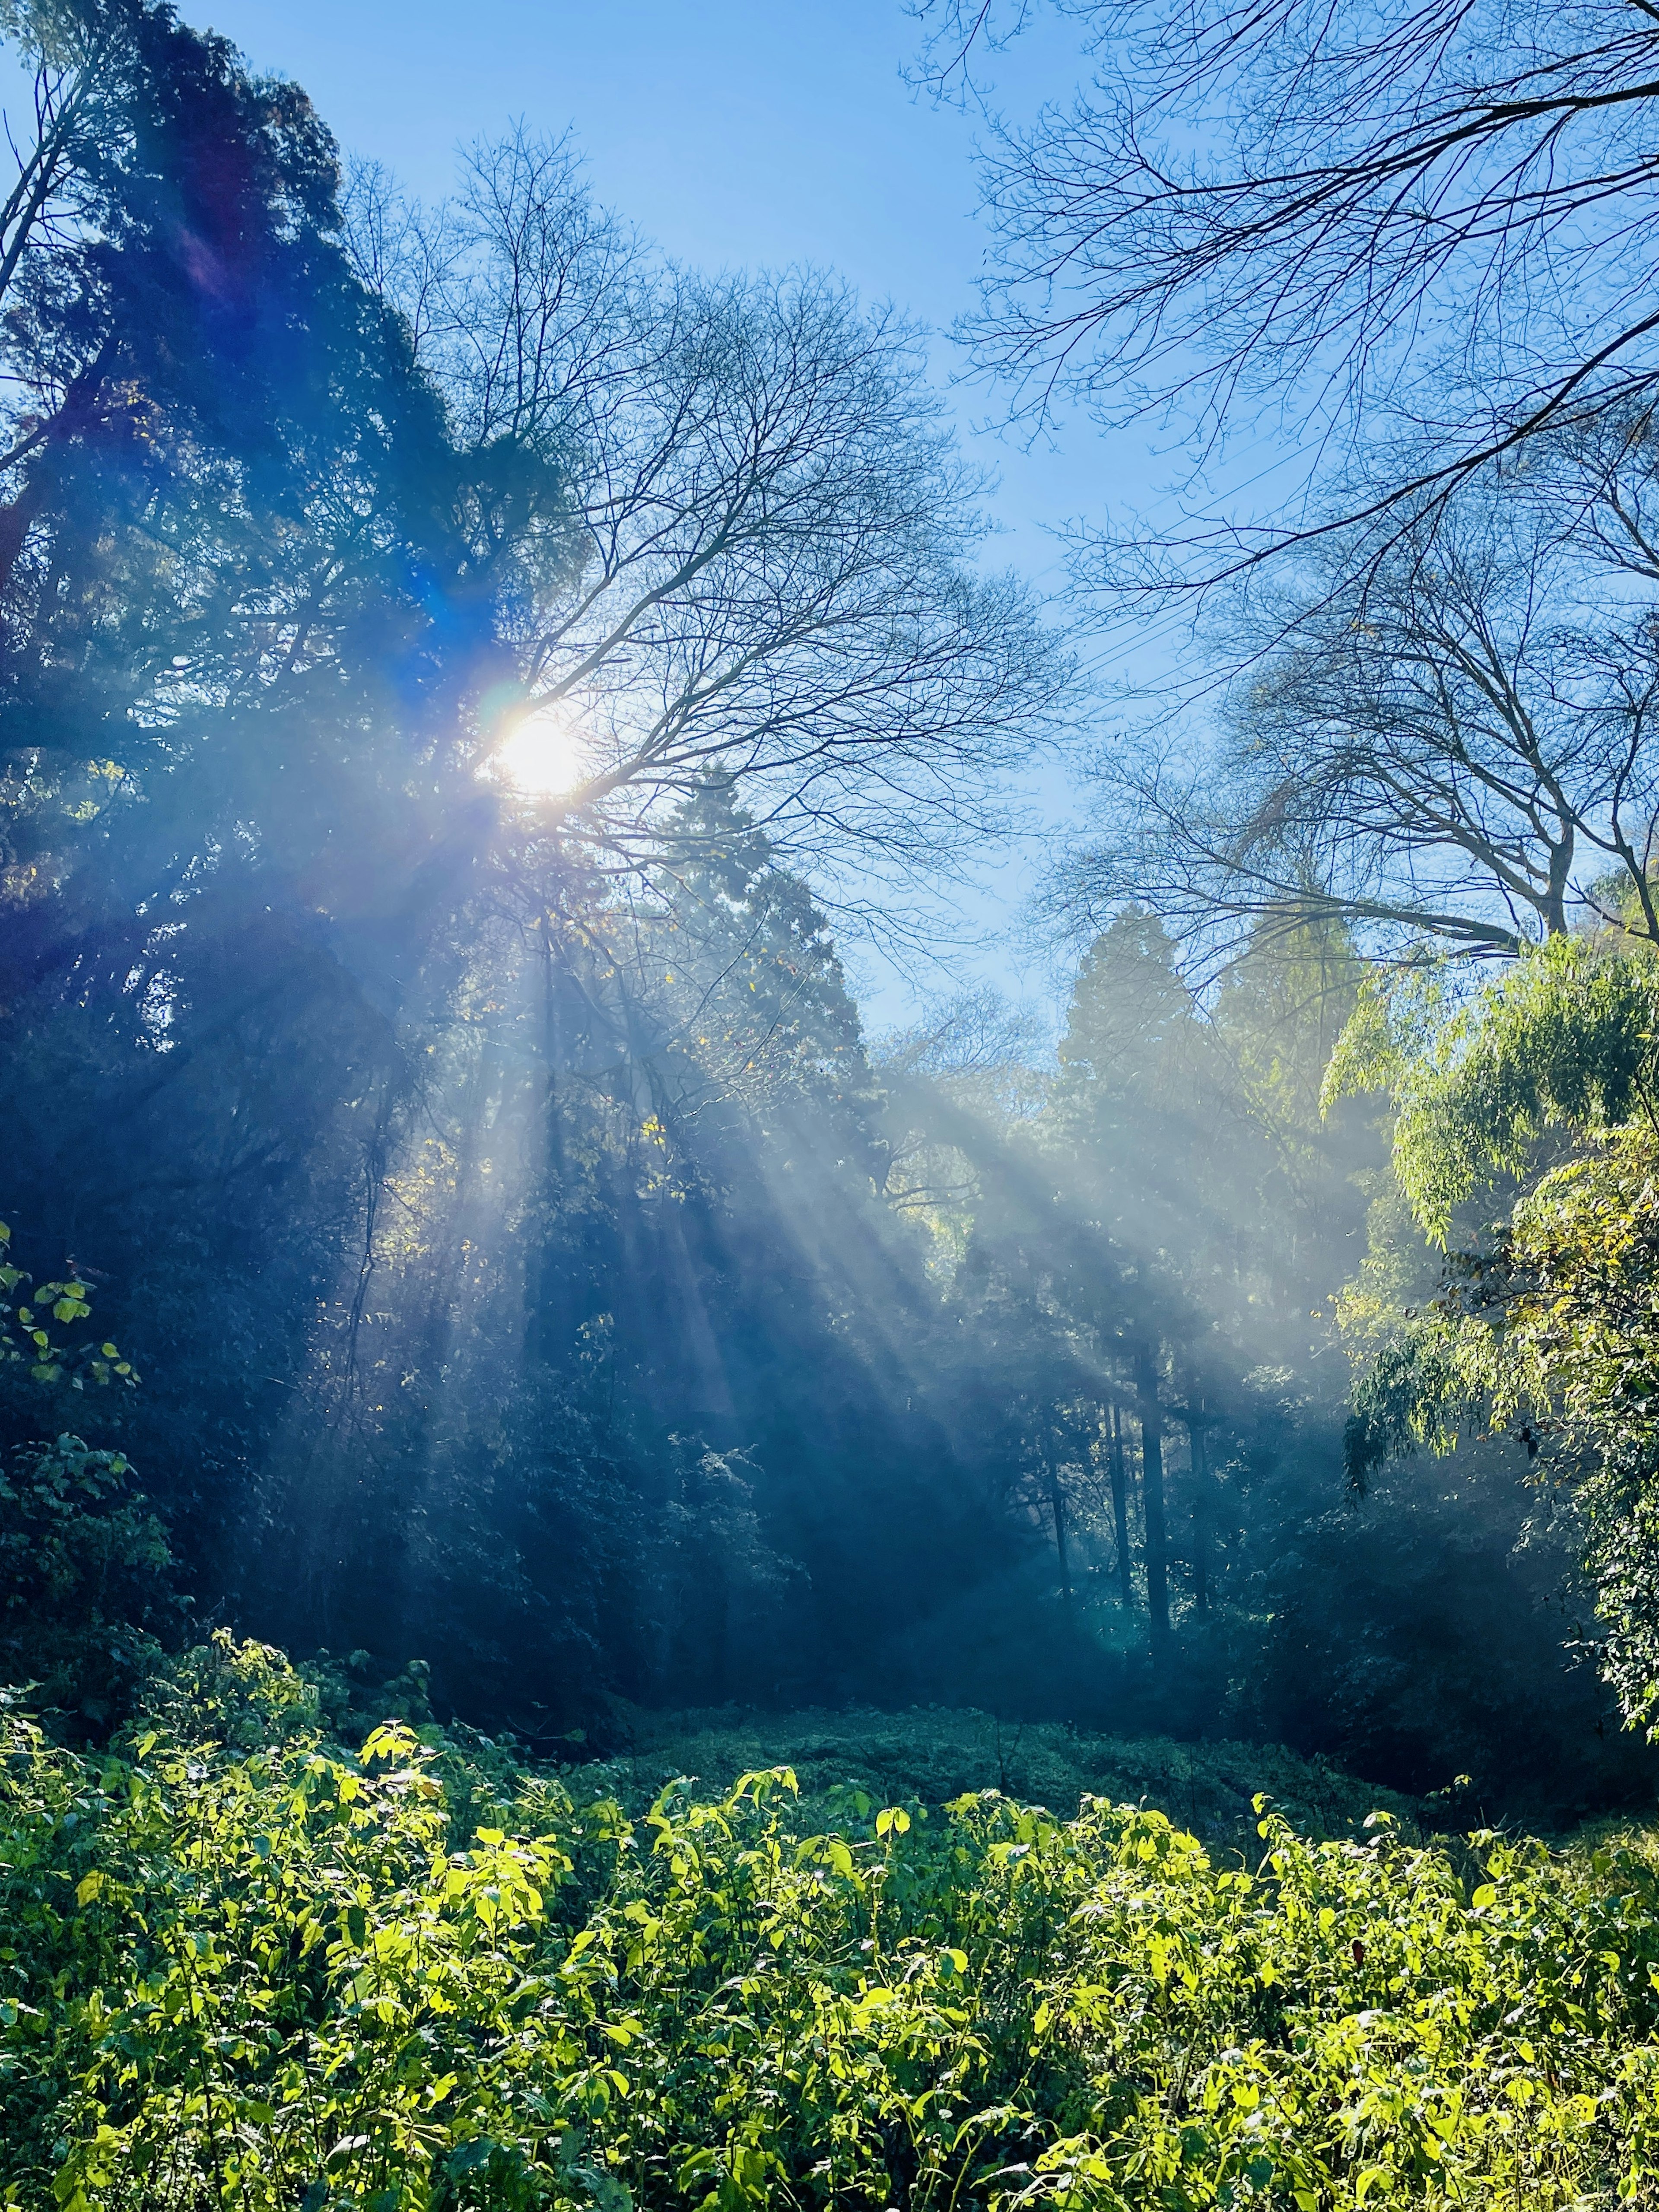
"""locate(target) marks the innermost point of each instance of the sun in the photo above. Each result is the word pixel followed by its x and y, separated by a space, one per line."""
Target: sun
pixel 546 757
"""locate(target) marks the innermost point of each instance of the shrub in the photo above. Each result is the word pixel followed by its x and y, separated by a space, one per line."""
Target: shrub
pixel 267 1976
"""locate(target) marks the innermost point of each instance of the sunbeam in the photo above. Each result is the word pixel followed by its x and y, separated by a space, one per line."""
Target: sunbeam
pixel 564 1510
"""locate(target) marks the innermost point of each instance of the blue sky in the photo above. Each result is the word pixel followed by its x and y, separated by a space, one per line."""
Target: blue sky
pixel 736 132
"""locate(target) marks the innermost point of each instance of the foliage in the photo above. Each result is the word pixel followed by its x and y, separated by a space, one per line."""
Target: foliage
pixel 1440 1625
pixel 933 1754
pixel 1149 1239
pixel 86 1584
pixel 273 1974
pixel 26 1337
pixel 439 657
pixel 1553 1337
pixel 1564 1039
pixel 1546 1329
pixel 496 1212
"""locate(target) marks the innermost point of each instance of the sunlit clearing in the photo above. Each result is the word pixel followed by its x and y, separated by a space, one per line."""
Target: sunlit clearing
pixel 546 757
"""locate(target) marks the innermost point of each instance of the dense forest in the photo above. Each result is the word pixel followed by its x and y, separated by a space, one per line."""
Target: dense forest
pixel 472 1277
pixel 532 1267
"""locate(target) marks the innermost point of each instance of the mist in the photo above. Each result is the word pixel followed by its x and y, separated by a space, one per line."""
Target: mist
pixel 677 1529
pixel 467 679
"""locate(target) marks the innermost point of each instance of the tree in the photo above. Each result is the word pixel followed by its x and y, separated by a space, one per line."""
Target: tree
pixel 246 584
pixel 741 959
pixel 778 582
pixel 247 587
pixel 1440 731
pixel 1447 210
pixel 1192 1130
pixel 85 1583
pixel 1526 1142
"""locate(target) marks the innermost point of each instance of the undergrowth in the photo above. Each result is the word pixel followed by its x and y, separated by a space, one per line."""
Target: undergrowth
pixel 936 1753
pixel 240 1967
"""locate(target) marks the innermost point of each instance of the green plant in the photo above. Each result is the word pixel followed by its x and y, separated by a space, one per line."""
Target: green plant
pixel 264 1975
pixel 26 1330
pixel 85 1578
pixel 86 1584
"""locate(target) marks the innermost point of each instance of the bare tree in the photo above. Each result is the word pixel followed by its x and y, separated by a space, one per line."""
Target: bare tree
pixel 1449 208
pixel 778 578
pixel 1450 733
pixel 395 246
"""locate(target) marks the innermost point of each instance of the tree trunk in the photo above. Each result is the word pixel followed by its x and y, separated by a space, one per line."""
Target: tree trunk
pixel 1057 1507
pixel 1121 1510
pixel 1152 1498
pixel 1200 1511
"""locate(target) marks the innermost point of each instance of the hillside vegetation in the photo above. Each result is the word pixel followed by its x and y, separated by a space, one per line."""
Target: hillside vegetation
pixel 243 1968
pixel 932 1755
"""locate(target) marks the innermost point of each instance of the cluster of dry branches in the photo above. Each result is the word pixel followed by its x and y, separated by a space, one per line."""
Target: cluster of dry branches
pixel 1421 244
pixel 771 571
